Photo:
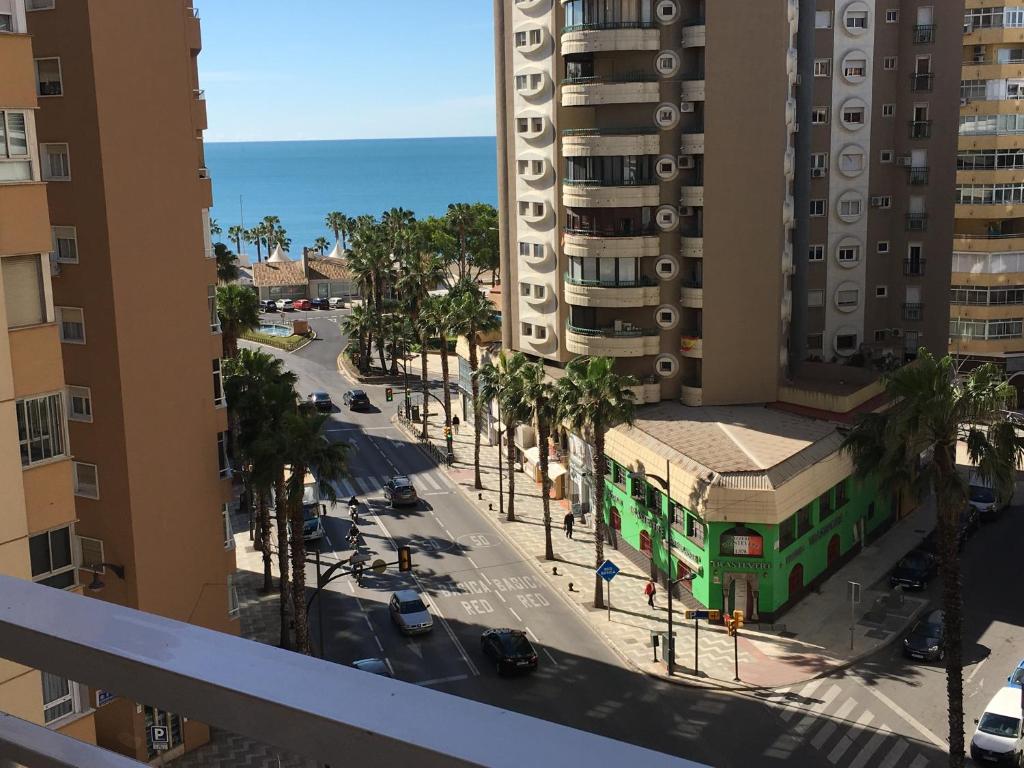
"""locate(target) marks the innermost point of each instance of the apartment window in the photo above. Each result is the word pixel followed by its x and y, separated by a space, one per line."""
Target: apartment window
pixel 856 20
pixel 538 209
pixel 880 336
pixel 892 15
pixel 522 125
pixel 853 116
pixel 815 341
pixel 825 508
pixel 823 20
pixel 841 494
pixel 60 697
pixel 538 291
pixel 823 67
pixel 87 481
pixel 882 246
pixel 15 164
pixel 889 63
pixel 24 295
pixel 851 161
pixel 855 68
pixel 881 291
pixel 819 116
pixel 804 522
pixel 524 289
pixel 787 532
pixel 847 299
pixel 882 201
pixel 535 36
pixel 218 385
pixel 524 249
pixel 886 156
pixel 223 463
pixel 41 434
pixel 536 124
pixel 849 254
pixel 71 322
pixel 851 207
pixel 815 298
pixel 818 207
pixel 48 80
pixel 520 39
pixel 65 244
pixel 816 253
pixel 39 5
pixel 819 160
pixel 526 329
pixel 50 557
pixel 6 22
pixel 79 404
pixel 211 302
pixel 538 251
pixel 229 535
pixel 888 110
pixel 540 333
pixel 695 531
pixel 232 597
pixel 56 162
pixel 846 342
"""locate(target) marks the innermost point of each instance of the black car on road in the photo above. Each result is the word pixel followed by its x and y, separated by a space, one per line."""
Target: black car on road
pixel 914 571
pixel 321 401
pixel 509 649
pixel 356 400
pixel 268 305
pixel 925 639
pixel 319 304
pixel 399 490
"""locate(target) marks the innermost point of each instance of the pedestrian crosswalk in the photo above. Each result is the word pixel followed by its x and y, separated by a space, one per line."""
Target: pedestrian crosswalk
pixel 371 485
pixel 843 729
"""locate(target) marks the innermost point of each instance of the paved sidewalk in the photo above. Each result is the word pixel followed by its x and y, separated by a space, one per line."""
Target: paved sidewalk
pixel 811 640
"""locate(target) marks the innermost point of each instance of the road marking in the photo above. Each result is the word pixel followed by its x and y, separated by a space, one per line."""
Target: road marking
pixel 895 754
pixel 869 749
pixel 450 535
pixel 437 493
pixel 359 603
pixel 470 559
pixel 977 669
pixel 362 485
pixel 351 588
pixel 428 481
pixel 345 489
pixel 390 668
pixel 379 646
pixel 367 619
pixel 911 720
pixel 440 680
pixel 513 612
pixel 501 597
pixel 919 762
pixel 790 712
pixel 548 653
pixel 847 741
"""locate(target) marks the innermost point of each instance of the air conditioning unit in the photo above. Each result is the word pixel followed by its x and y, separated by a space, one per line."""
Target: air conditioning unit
pixel 686 106
pixel 876 202
pixel 818 173
pixel 686 161
pixel 964 102
pixel 686 211
pixel 896 333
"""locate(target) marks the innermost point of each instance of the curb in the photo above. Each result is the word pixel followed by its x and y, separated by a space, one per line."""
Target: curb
pixel 309 341
pixel 354 376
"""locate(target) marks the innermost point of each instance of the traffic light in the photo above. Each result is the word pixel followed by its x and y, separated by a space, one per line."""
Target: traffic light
pixel 737 620
pixel 730 625
pixel 389 394
pixel 404 559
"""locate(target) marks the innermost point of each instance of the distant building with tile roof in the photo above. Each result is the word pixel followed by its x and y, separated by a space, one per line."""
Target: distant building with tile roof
pixel 308 277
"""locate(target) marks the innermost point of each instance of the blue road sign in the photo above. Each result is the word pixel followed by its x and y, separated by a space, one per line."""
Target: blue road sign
pixel 608 570
pixel 696 614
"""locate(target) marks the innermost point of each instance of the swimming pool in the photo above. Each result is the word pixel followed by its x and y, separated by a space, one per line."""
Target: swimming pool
pixel 276 330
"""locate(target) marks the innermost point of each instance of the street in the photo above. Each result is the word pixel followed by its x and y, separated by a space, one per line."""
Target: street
pixel 885 711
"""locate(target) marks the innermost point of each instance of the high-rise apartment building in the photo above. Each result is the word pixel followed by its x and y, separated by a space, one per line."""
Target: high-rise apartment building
pixel 37 506
pixel 987 291
pixel 709 192
pixel 119 138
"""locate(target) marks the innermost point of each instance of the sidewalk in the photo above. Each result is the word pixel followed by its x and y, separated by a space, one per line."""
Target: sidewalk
pixel 811 640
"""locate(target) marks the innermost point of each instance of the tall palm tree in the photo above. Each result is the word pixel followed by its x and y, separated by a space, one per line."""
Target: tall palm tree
pixel 460 219
pixel 227 263
pixel 340 225
pixel 279 237
pixel 541 399
pixel 320 244
pixel 215 228
pixel 356 325
pixel 307 449
pixel 474 315
pixel 253 236
pixel 593 399
pixel 500 381
pixel 439 317
pixel 237 234
pixel 933 408
pixel 239 310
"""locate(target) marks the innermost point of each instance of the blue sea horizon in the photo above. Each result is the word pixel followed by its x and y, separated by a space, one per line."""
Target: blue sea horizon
pixel 301 181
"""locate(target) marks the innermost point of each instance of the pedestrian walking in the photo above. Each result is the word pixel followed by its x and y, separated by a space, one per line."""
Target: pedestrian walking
pixel 567 524
pixel 455 425
pixel 650 591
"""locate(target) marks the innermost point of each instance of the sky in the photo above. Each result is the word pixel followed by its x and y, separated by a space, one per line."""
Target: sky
pixel 346 69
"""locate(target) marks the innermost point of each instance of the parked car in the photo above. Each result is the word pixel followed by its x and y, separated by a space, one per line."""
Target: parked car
pixel 914 571
pixel 302 304
pixel 321 401
pixel 336 302
pixel 284 305
pixel 268 305
pixel 925 639
pixel 373 666
pixel 985 501
pixel 319 304
pixel 997 738
pixel 409 613
pixel 1016 678
pixel 509 649
pixel 399 490
pixel 356 400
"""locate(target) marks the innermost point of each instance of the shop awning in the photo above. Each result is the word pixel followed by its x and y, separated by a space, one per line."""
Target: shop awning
pixel 532 455
pixel 556 470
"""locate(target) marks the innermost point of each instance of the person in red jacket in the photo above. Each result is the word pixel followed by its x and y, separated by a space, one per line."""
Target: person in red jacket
pixel 650 591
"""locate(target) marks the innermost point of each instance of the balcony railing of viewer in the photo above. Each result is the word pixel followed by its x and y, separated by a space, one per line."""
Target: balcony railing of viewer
pixel 598 25
pixel 917 222
pixel 326 712
pixel 624 332
pixel 640 282
pixel 920 129
pixel 918 175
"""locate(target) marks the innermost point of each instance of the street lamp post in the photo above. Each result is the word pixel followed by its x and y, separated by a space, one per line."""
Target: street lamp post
pixel 664 483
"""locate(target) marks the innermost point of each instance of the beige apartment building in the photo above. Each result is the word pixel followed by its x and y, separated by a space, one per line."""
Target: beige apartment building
pixel 987 290
pixel 37 505
pixel 115 125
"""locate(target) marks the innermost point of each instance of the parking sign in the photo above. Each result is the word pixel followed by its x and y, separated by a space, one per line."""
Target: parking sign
pixel 159 737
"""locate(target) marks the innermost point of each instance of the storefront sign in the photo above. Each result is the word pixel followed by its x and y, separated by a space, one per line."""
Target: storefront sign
pixel 692 562
pixel 746 544
pixel 104 697
pixel 741 565
pixel 824 530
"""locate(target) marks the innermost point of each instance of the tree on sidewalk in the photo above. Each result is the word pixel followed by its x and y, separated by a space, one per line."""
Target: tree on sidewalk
pixel 500 381
pixel 541 398
pixel 593 399
pixel 913 444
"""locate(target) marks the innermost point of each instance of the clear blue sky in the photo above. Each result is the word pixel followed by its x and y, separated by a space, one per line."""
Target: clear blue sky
pixel 346 69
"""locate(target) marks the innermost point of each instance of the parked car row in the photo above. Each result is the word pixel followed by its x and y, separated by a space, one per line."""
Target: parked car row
pixel 301 305
pixel 998 734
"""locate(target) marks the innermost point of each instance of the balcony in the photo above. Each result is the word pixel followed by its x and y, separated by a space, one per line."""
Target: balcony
pixel 994 243
pixel 692 143
pixel 18 84
pixel 643 292
pixel 917 222
pixel 924 34
pixel 582 142
pixel 622 340
pixel 193 34
pixel 913 311
pixel 26 218
pixel 691 295
pixel 602 242
pixel 691 196
pixel 917 175
pixel 922 81
pixel 692 89
pixel 694 34
pixel 647 393
pixel 691 345
pixel 611 36
pixel 692 246
pixel 597 193
pixel 920 129
pixel 691 395
pixel 199 119
pixel 636 88
pixel 914 267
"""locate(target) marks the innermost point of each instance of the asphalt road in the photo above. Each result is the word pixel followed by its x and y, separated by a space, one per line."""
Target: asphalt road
pixel 886 712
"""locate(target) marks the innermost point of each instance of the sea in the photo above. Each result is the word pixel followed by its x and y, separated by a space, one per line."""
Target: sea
pixel 301 181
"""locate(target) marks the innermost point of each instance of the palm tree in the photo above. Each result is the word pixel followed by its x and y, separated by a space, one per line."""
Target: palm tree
pixel 474 315
pixel 356 325
pixel 238 308
pixel 237 234
pixel 253 236
pixel 593 399
pixel 460 219
pixel 340 225
pixel 439 317
pixel 501 381
pixel 541 397
pixel 307 449
pixel 320 244
pixel 227 263
pixel 215 228
pixel 279 236
pixel 934 409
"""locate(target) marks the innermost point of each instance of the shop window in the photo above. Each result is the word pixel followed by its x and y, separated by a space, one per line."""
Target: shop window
pixel 787 532
pixel 841 494
pixel 645 544
pixel 653 500
pixel 803 521
pixel 618 476
pixel 695 531
pixel 825 508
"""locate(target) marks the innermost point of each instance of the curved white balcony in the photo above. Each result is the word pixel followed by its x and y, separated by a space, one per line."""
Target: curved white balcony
pixel 594 91
pixel 596 194
pixel 692 143
pixel 694 35
pixel 692 296
pixel 612 293
pixel 621 342
pixel 691 346
pixel 692 90
pixel 692 396
pixel 583 142
pixel 578 242
pixel 646 394
pixel 692 196
pixel 692 247
pixel 611 36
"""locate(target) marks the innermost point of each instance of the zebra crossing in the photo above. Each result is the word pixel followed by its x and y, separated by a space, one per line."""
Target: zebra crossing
pixel 841 728
pixel 426 483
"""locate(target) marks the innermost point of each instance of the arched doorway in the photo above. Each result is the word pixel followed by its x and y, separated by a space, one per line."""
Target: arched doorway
pixel 682 571
pixel 796 581
pixel 833 551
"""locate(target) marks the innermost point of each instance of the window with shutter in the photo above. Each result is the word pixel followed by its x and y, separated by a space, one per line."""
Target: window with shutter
pixel 24 295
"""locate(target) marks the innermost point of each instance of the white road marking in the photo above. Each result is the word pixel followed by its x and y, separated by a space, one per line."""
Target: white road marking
pixel 513 612
pixel 470 559
pixel 848 738
pixel 362 484
pixel 351 588
pixel 440 680
pixel 367 619
pixel 501 597
pixel 911 720
pixel 805 692
pixel 390 668
pixel 919 762
pixel 428 481
pixel 548 653
pixel 895 754
pixel 360 603
pixel 379 646
pixel 345 489
pixel 869 749
pixel 976 670
pixel 436 493
pixel 450 534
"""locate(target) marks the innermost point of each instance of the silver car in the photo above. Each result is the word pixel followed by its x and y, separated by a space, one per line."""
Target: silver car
pixel 409 613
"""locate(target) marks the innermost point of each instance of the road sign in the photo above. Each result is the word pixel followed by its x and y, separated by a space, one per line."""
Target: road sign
pixel 853 591
pixel 608 570
pixel 104 697
pixel 159 737
pixel 379 566
pixel 710 614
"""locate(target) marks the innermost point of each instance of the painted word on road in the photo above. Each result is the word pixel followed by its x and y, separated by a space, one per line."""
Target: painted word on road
pixel 608 570
pixel 525 590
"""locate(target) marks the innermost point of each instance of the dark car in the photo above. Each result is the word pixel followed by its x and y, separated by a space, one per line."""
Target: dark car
pixel 319 304
pixel 373 666
pixel 356 400
pixel 913 571
pixel 985 501
pixel 321 401
pixel 399 490
pixel 509 649
pixel 925 639
pixel 268 305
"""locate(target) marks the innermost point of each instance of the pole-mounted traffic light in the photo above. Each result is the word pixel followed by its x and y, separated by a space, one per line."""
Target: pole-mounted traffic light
pixel 737 620
pixel 404 559
pixel 730 625
pixel 389 394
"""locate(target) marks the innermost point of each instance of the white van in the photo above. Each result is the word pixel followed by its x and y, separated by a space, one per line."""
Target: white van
pixel 997 739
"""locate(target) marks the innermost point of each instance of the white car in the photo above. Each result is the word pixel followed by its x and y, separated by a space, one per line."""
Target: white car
pixel 997 737
pixel 335 302
pixel 285 305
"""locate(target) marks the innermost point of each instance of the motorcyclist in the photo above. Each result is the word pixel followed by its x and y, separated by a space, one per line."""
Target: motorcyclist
pixel 353 509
